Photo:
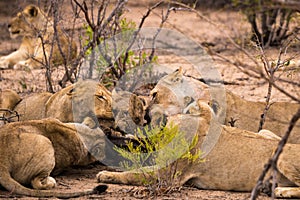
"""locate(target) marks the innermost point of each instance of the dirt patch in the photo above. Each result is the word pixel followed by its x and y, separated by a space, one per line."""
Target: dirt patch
pixel 84 178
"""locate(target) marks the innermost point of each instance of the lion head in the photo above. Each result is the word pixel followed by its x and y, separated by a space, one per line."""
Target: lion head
pixel 75 102
pixel 27 22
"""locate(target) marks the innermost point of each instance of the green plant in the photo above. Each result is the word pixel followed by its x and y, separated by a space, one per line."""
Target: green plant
pixel 157 153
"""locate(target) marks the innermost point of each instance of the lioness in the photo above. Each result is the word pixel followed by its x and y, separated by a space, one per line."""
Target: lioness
pixel 71 104
pixel 175 92
pixel 234 163
pixel 31 150
pixel 38 39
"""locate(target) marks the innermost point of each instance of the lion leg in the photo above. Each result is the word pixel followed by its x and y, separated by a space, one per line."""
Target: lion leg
pixel 31 63
pixel 43 182
pixel 126 178
pixel 288 165
pixel 8 62
pixel 287 192
pixel 34 61
pixel 269 135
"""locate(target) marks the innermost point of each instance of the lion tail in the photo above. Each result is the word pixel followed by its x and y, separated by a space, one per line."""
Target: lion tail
pixel 16 188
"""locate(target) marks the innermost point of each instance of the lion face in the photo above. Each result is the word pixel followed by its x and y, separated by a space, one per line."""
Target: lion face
pixel 27 22
pixel 82 99
pixel 175 92
pixel 103 97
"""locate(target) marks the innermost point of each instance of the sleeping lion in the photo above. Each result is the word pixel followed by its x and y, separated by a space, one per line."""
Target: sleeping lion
pixel 235 162
pixel 175 93
pixel 30 151
pixel 71 104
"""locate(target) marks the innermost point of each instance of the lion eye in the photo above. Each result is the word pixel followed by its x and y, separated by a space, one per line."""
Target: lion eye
pixel 101 97
pixel 72 91
pixel 154 94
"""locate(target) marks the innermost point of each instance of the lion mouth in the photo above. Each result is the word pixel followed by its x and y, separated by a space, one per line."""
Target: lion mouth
pixel 15 32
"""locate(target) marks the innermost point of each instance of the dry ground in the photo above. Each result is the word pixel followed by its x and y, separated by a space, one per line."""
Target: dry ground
pixel 198 30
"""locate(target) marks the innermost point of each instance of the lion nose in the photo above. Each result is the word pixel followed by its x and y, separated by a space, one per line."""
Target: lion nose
pixel 9 25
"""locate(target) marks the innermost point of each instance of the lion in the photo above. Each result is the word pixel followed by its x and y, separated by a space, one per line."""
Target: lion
pixel 32 150
pixel 247 114
pixel 234 164
pixel 8 100
pixel 33 106
pixel 37 32
pixel 175 92
pixel 71 104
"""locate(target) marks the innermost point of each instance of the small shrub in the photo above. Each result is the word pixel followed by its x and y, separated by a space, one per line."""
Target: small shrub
pixel 158 152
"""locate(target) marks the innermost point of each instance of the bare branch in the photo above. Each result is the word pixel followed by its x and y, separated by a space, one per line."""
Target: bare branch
pixel 270 70
pixel 85 11
pixel 163 20
pixel 252 71
pixel 139 29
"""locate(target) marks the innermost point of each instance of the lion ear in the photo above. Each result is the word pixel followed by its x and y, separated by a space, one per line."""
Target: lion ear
pixel 179 70
pixel 33 10
pixel 177 75
pixel 215 106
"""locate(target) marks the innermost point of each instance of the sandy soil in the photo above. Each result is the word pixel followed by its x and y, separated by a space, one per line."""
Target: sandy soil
pixel 84 178
pixel 199 30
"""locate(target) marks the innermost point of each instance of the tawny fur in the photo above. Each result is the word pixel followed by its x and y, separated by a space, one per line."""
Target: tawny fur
pixel 173 90
pixel 71 104
pixel 30 151
pixel 29 24
pixel 234 163
pixel 8 100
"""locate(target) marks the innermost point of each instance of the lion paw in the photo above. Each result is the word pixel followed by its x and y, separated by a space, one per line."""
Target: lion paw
pixel 105 177
pixel 287 192
pixel 4 63
pixel 43 183
pixel 22 65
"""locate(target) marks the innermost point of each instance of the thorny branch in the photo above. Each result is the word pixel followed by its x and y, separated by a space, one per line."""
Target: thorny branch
pixel 47 65
pixel 67 75
pixel 270 69
pixel 139 29
pixel 163 20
